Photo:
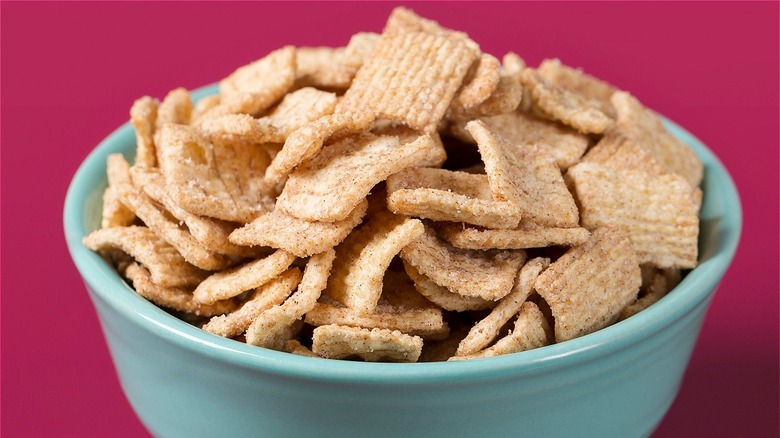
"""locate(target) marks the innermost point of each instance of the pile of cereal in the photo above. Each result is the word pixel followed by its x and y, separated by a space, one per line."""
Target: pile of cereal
pixel 404 198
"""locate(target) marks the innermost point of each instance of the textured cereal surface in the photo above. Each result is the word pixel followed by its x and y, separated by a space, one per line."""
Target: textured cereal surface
pixel 143 117
pixel 338 342
pixel 232 282
pixel 590 284
pixel 480 82
pixel 116 214
pixel 527 235
pixel 441 296
pixel 175 108
pixel 595 91
pixel 426 323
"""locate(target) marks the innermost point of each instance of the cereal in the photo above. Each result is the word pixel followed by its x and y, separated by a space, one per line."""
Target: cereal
pixel 565 106
pixel 412 175
pixel 330 186
pixel 364 256
pixel 261 299
pixel 219 180
pixel 338 342
pixel 527 235
pixel 299 237
pixel 464 271
pixel 483 332
pixel 270 328
pixel 233 282
pixel 166 266
pixel 588 286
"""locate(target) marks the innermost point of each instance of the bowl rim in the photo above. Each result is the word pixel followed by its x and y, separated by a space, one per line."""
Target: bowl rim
pixel 697 286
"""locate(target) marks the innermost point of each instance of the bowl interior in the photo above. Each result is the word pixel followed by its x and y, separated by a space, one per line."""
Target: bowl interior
pixel 721 222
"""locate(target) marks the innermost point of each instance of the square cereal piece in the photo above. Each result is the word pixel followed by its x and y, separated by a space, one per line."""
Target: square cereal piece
pixel 595 91
pixel 220 180
pixel 644 128
pixel 424 70
pixel 659 212
pixel 590 284
pixel 328 187
pixel 464 271
pixel 339 342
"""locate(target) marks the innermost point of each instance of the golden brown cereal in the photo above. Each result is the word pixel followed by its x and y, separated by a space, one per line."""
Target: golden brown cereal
pixel 116 214
pixel 261 299
pixel 596 92
pixel 480 82
pixel 565 145
pixel 300 237
pixel 563 105
pixel 338 342
pixel 527 235
pixel 661 281
pixel 305 142
pixel 176 108
pixel 617 151
pixel 464 271
pixel 295 347
pixel 270 327
pixel 445 195
pixel 426 70
pixel 166 266
pixel 399 292
pixel 172 297
pixel 441 296
pixel 220 180
pixel 506 97
pixel 658 212
pixel 426 323
pixel 233 282
pixel 211 233
pixel 587 287
pixel 202 107
pixel 403 20
pixel 321 67
pixel 364 256
pixel 531 331
pixel 329 187
pixel 295 110
pixel 253 88
pixel 486 330
pixel 525 176
pixel 143 116
pixel 643 127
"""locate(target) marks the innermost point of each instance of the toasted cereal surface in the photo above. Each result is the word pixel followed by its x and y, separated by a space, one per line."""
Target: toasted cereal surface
pixel 589 285
pixel 402 197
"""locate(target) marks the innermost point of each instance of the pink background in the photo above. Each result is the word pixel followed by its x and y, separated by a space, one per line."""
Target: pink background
pixel 71 71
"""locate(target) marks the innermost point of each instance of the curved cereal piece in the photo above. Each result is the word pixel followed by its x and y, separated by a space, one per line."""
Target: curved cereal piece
pixel 659 213
pixel 166 266
pixel 444 195
pixel 175 298
pixel 480 82
pixel 527 235
pixel 643 127
pixel 334 69
pixel 590 284
pixel 425 323
pixel 176 108
pixel 253 88
pixel 295 110
pixel 486 330
pixel 202 107
pixel 661 282
pixel 233 282
pixel 211 233
pixel 116 214
pixel 464 271
pixel 524 175
pixel 531 331
pixel 365 255
pixel 306 141
pixel 562 143
pixel 143 116
pixel 295 347
pixel 219 180
pixel 157 219
pixel 595 91
pixel 565 106
pixel 338 342
pixel 506 97
pixel 271 324
pixel 399 293
pixel 442 297
pixel 263 298
pixel 328 187
pixel 300 237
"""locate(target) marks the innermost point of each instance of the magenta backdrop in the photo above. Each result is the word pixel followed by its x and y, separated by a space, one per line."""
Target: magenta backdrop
pixel 71 71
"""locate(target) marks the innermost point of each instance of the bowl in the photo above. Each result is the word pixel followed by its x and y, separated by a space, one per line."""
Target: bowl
pixel 184 382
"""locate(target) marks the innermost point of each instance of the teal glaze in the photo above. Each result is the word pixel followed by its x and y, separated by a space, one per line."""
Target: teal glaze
pixel 617 382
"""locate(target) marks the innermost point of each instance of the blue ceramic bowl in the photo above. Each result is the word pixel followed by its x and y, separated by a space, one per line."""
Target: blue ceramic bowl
pixel 184 382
